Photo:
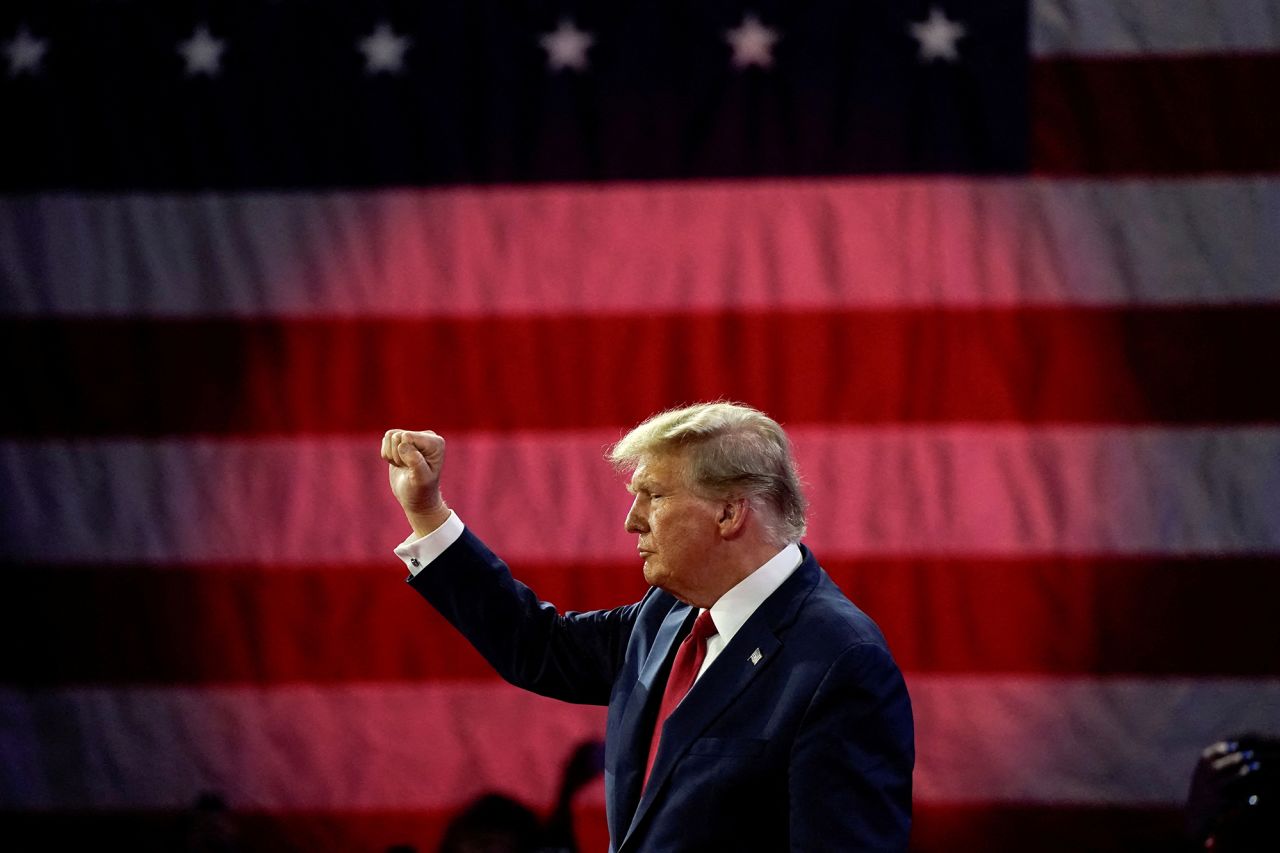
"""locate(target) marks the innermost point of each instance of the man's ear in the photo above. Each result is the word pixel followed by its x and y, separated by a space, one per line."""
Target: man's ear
pixel 733 517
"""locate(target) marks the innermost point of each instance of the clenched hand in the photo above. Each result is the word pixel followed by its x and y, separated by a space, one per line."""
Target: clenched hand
pixel 415 460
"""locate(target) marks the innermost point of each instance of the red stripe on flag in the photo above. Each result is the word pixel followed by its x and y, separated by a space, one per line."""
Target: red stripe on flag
pixel 1053 365
pixel 1052 615
pixel 1156 116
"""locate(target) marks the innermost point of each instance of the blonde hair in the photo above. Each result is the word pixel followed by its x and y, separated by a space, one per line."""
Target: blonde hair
pixel 733 451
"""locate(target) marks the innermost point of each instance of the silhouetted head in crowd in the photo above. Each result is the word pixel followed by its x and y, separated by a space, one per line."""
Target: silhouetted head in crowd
pixel 209 826
pixel 493 824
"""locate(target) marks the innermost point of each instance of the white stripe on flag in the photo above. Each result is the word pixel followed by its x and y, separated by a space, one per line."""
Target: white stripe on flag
pixel 746 245
pixel 550 496
pixel 979 739
pixel 1155 27
pixel 1075 740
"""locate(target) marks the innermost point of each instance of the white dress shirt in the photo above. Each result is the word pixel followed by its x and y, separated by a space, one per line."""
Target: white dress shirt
pixel 417 551
pixel 735 607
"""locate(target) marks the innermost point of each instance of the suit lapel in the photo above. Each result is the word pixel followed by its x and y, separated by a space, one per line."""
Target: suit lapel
pixel 729 674
pixel 638 714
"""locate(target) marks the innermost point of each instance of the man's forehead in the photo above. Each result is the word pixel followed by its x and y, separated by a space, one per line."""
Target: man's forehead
pixel 656 470
pixel 640 479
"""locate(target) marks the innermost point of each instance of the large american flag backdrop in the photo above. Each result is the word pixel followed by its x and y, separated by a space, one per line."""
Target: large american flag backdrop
pixel 1008 271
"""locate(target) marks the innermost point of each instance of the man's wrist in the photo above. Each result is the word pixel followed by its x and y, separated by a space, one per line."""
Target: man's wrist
pixel 426 522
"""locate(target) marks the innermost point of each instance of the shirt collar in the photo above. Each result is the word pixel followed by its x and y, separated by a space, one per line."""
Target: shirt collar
pixel 735 607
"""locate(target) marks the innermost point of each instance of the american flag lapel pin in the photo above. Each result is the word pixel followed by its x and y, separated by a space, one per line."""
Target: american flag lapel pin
pixel 755 657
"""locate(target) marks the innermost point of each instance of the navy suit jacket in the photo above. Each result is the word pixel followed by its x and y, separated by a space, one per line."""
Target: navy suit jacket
pixel 806 746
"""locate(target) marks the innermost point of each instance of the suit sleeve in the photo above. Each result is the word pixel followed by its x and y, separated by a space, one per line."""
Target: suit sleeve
pixel 850 771
pixel 571 656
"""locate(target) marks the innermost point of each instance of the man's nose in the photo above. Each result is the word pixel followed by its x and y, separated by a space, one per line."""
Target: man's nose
pixel 635 522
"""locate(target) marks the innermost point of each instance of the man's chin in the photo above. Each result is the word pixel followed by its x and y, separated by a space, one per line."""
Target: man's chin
pixel 656 576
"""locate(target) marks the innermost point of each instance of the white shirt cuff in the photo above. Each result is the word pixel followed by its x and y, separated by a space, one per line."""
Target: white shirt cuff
pixel 418 551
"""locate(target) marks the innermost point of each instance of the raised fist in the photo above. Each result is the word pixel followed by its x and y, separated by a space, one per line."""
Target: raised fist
pixel 415 460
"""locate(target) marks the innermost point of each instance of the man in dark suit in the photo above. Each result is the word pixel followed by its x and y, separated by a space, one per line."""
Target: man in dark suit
pixel 752 706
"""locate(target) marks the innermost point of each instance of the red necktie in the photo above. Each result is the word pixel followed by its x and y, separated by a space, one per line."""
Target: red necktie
pixel 684 669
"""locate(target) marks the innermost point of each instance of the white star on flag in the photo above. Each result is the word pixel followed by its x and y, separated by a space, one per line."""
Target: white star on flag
pixel 384 50
pixel 202 52
pixel 567 46
pixel 25 52
pixel 938 35
pixel 752 43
